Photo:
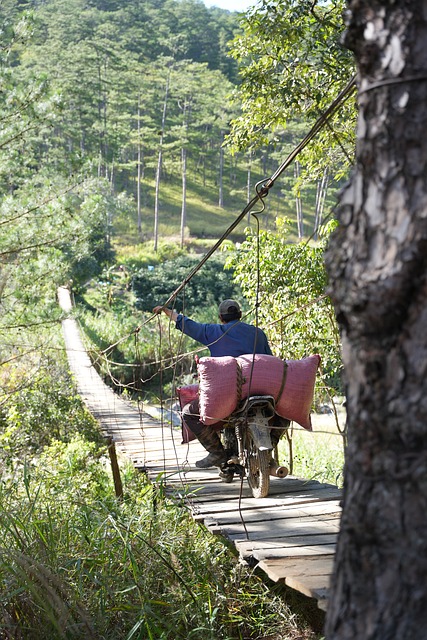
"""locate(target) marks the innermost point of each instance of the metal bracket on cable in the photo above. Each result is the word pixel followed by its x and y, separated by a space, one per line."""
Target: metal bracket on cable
pixel 264 189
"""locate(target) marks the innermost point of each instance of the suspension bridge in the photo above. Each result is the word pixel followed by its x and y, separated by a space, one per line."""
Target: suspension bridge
pixel 290 535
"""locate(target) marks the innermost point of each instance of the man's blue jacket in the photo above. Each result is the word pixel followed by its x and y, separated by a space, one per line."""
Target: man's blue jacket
pixel 234 338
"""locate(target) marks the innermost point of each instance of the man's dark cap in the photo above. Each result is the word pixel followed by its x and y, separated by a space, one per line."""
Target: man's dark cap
pixel 228 307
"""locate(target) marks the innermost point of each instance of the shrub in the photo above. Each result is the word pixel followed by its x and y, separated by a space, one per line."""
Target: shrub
pixel 43 410
pixel 208 286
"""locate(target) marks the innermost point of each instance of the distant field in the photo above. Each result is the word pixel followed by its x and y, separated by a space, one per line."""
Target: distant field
pixel 205 219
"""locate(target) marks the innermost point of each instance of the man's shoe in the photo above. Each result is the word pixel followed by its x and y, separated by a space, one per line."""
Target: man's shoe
pixel 212 460
pixel 226 476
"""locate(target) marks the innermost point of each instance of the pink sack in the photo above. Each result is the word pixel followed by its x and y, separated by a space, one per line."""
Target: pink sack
pixel 220 380
pixel 225 381
pixel 186 395
pixel 297 396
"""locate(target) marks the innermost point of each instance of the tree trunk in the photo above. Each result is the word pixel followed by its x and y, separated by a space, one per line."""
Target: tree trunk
pixel 159 164
pixel 377 264
pixel 186 114
pixel 300 222
pixel 221 172
pixel 184 194
pixel 139 169
pixel 322 189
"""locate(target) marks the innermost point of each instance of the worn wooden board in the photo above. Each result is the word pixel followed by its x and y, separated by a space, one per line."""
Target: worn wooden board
pixel 297 567
pixel 319 510
pixel 281 528
pixel 290 546
pixel 279 500
pixel 309 575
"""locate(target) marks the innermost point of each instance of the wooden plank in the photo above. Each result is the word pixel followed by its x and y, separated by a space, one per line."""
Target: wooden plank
pixel 297 567
pixel 295 552
pixel 219 492
pixel 280 500
pixel 308 575
pixel 320 509
pixel 314 587
pixel 282 487
pixel 278 529
pixel 290 546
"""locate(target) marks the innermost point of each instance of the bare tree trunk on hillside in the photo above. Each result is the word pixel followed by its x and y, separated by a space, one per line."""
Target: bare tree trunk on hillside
pixel 322 189
pixel 139 169
pixel 184 194
pixel 186 113
pixel 298 203
pixel 221 172
pixel 377 264
pixel 159 164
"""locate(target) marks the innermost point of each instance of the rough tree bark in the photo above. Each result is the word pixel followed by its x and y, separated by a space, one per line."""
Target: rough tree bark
pixel 377 265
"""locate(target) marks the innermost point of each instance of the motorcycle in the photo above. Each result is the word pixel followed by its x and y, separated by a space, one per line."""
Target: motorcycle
pixel 248 441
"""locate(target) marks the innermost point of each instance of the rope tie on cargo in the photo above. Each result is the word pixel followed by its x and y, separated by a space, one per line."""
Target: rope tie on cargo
pixel 282 385
pixel 240 382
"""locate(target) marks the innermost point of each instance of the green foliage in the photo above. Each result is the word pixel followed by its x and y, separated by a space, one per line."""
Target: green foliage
pixel 126 354
pixel 39 411
pixel 289 283
pixel 50 235
pixel 292 66
pixel 208 287
pixel 91 568
pixel 109 69
pixel 132 354
pixel 317 455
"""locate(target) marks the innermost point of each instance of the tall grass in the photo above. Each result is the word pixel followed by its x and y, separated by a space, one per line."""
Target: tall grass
pixel 318 457
pixel 75 563
pixel 318 454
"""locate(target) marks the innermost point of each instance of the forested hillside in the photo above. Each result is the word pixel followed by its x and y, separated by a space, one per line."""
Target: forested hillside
pixel 118 126
pixel 136 94
pixel 114 117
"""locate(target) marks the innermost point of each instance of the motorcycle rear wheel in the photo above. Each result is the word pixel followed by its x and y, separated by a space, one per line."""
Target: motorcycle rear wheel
pixel 258 468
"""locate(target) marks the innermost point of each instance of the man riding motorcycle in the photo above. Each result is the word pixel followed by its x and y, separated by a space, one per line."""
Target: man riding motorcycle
pixel 230 337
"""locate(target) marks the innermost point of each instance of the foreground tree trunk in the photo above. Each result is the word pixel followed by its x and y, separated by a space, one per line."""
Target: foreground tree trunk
pixel 377 265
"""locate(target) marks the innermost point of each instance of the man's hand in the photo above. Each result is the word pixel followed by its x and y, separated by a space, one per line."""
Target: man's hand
pixel 169 312
pixel 158 309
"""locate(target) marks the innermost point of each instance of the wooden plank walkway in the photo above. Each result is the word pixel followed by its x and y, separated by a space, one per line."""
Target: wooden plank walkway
pixel 290 535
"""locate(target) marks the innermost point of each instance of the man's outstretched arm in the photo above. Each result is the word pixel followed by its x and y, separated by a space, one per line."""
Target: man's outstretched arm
pixel 169 312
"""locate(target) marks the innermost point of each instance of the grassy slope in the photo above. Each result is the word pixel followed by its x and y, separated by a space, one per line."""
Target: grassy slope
pixel 205 219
